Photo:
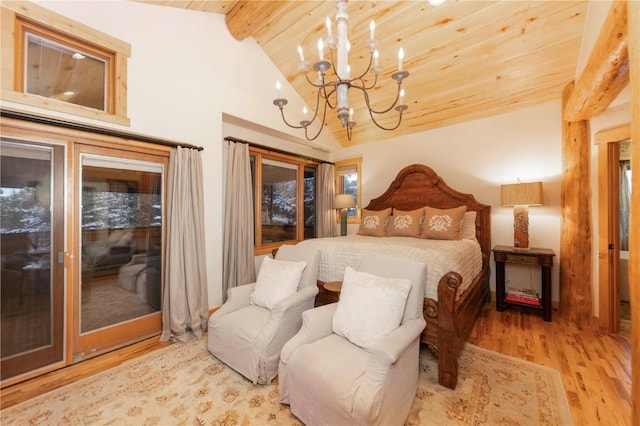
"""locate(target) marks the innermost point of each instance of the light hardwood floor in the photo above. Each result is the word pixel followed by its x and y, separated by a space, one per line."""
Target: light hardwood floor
pixel 595 367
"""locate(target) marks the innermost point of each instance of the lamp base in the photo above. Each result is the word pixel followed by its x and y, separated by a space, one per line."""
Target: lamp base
pixel 521 227
pixel 343 222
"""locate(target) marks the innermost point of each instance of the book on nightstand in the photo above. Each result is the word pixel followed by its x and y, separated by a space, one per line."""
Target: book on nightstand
pixel 523 295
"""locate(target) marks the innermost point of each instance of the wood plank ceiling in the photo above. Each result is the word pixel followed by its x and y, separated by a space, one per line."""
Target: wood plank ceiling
pixel 467 59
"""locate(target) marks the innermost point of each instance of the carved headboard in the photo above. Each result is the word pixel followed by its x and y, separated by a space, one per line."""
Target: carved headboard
pixel 417 186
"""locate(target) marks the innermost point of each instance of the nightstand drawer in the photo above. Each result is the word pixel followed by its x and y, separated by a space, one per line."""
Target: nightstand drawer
pixel 519 258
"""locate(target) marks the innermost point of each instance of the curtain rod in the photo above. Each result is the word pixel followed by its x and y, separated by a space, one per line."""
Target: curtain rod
pixel 93 129
pixel 279 151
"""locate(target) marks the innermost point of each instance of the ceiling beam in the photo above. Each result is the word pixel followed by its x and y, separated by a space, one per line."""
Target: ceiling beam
pixel 607 71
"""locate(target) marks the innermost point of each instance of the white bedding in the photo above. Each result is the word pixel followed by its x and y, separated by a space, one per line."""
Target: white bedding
pixel 441 256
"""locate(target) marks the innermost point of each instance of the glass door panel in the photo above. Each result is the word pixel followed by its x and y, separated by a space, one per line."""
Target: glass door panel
pixel 32 243
pixel 120 249
pixel 279 201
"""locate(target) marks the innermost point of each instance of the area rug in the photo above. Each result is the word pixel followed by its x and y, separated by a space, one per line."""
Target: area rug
pixel 183 384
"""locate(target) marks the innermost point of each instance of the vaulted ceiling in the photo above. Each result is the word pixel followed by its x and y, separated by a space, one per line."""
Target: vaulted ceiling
pixel 466 59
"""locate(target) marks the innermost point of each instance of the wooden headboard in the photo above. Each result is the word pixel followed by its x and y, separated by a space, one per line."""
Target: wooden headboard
pixel 417 186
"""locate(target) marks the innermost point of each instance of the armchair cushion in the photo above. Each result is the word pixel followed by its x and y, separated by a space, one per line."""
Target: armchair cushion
pixel 370 307
pixel 277 279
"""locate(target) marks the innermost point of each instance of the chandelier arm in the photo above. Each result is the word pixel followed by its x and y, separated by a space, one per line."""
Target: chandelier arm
pixel 361 76
pixel 363 85
pixel 373 111
pixel 287 123
pixel 306 74
pixel 315 111
pixel 381 126
pixel 327 97
pixel 324 115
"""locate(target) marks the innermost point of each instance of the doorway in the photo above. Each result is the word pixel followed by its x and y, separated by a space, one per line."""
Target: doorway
pixel 82 245
pixel 32 242
pixel 610 238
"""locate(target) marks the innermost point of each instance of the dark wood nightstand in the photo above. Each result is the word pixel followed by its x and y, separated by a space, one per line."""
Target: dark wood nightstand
pixel 533 256
pixel 328 292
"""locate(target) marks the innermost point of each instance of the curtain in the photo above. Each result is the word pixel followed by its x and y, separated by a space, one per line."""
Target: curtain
pixel 325 192
pixel 238 265
pixel 185 301
pixel 625 200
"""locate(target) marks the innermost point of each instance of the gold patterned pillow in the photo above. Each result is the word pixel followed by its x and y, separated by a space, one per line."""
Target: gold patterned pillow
pixel 443 224
pixel 374 223
pixel 406 223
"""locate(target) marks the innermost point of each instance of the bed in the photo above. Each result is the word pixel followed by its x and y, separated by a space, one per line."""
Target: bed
pixel 455 299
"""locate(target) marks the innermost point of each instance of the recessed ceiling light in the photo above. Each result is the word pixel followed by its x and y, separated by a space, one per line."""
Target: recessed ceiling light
pixel 78 56
pixel 69 93
pixel 436 2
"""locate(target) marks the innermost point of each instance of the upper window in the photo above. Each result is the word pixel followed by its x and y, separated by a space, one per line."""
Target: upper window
pixel 348 174
pixel 285 199
pixel 81 73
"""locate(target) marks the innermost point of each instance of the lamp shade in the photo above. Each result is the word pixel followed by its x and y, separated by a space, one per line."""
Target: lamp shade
pixel 344 201
pixel 522 194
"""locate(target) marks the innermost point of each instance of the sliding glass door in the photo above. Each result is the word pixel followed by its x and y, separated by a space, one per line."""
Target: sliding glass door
pixel 32 230
pixel 120 248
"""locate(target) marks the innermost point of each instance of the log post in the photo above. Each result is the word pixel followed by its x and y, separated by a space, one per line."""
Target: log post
pixel 575 241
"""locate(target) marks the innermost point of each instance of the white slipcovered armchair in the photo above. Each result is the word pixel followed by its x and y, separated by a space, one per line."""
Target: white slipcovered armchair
pixel 328 380
pixel 247 333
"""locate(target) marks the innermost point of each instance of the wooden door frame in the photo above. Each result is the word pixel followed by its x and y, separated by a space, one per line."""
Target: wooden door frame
pixel 608 224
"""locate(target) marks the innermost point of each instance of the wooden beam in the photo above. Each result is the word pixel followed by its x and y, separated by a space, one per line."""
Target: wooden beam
pixel 634 220
pixel 575 240
pixel 607 71
pixel 247 17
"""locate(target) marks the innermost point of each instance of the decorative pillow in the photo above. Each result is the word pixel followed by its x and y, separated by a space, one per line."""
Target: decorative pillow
pixel 374 223
pixel 443 224
pixel 406 223
pixel 277 279
pixel 468 231
pixel 370 307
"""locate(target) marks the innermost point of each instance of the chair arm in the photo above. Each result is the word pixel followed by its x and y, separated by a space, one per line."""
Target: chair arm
pixel 316 324
pixel 237 297
pixel 306 294
pixel 390 348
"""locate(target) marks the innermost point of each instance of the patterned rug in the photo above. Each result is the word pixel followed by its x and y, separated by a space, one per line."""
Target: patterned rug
pixel 183 384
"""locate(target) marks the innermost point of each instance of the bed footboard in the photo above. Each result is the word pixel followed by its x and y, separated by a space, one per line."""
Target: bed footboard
pixel 449 321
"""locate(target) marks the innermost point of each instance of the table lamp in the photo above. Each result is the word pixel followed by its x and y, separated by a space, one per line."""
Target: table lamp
pixel 343 202
pixel 521 196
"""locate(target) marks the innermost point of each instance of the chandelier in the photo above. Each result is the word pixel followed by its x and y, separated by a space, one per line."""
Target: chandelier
pixel 334 93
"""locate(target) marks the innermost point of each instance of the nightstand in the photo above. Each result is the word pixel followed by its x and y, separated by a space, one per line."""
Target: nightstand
pixel 328 292
pixel 541 257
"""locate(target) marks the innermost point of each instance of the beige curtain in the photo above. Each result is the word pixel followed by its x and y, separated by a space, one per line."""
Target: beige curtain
pixel 185 301
pixel 238 266
pixel 325 193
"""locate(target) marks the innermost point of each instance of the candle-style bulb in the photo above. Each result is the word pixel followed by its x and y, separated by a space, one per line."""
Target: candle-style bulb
pixel 278 87
pixel 328 23
pixel 401 96
pixel 300 53
pixel 350 114
pixel 375 57
pixel 372 30
pixel 400 58
pixel 304 112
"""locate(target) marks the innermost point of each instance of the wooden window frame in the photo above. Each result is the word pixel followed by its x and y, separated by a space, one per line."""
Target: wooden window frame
pixel 16 17
pixel 357 162
pixel 259 153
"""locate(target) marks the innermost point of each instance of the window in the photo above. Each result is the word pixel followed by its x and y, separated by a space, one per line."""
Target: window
pixel 286 205
pixel 348 174
pixel 50 68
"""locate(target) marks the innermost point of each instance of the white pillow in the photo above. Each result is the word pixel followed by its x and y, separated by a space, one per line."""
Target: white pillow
pixel 370 307
pixel 277 279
